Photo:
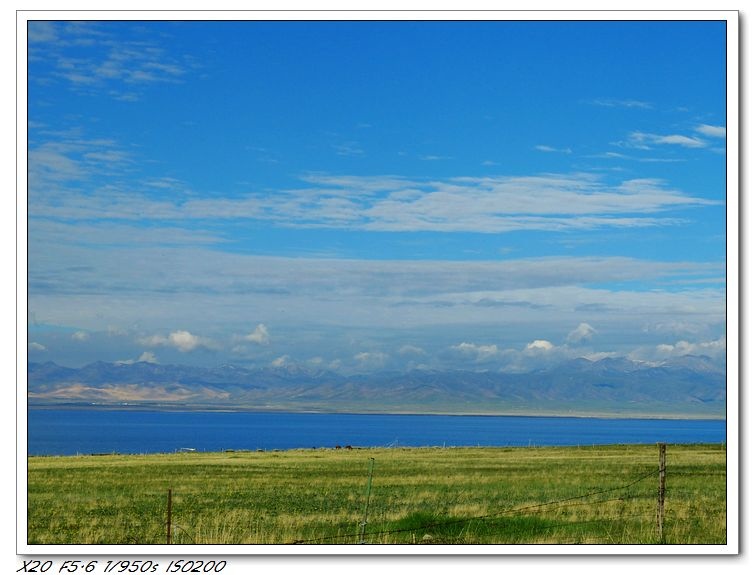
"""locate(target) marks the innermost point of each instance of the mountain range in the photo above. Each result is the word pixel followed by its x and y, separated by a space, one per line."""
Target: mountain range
pixel 688 386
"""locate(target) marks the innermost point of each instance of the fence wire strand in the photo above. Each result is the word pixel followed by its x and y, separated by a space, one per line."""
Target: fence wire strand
pixel 509 511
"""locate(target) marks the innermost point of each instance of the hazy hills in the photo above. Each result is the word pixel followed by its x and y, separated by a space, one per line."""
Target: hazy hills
pixel 684 386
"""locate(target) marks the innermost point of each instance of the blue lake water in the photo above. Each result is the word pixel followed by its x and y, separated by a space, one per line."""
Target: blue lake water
pixel 71 431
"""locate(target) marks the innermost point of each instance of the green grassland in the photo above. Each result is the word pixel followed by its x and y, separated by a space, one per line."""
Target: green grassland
pixel 561 495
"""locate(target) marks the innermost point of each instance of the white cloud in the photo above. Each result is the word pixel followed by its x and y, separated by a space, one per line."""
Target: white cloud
pixel 479 352
pixel 711 131
pixel 645 140
pixel 80 336
pixel 148 357
pixel 583 332
pixel 281 361
pixel 536 354
pixel 145 357
pixel 259 336
pixel 598 355
pixel 715 349
pixel 679 140
pixel 712 348
pixel 37 346
pixel 181 340
pixel 539 345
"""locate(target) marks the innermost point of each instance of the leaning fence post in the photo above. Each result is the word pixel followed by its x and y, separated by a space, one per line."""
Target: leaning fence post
pixel 170 511
pixel 363 524
pixel 661 488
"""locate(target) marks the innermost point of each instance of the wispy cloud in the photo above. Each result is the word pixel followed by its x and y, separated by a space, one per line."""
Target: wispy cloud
pixel 409 349
pixel 433 158
pixel 46 232
pixel 41 31
pixel 619 103
pixel 500 204
pixel 676 327
pixel 551 149
pixel 87 269
pixel 645 140
pixel 549 202
pixel 636 158
pixel 348 149
pixel 611 155
pixel 91 55
pixel 711 131
pixel 69 158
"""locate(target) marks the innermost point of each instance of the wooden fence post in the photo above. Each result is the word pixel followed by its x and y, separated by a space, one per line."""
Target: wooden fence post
pixel 661 488
pixel 363 524
pixel 170 512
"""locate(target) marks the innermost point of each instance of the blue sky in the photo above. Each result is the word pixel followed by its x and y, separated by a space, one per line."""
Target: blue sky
pixel 359 196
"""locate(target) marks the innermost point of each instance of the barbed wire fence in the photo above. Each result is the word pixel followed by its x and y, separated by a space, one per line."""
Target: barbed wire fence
pixel 520 510
pixel 593 498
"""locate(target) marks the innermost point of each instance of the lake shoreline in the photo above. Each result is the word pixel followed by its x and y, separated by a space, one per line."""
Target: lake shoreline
pixel 381 448
pixel 168 408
